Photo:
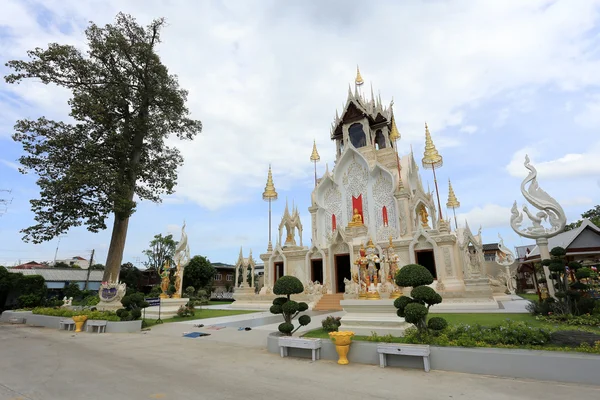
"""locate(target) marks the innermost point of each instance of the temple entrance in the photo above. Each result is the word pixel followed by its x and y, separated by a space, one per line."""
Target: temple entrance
pixel 277 271
pixel 342 270
pixel 426 259
pixel 316 270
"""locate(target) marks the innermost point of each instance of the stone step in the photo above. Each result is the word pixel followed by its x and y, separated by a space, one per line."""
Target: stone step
pixel 329 302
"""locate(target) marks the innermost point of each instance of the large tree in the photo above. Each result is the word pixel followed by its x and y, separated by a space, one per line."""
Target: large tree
pixel 124 105
pixel 199 273
pixel 162 249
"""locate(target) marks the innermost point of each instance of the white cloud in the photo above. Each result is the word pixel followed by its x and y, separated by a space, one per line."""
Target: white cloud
pixel 568 166
pixel 10 164
pixel 577 201
pixel 265 80
pixel 488 216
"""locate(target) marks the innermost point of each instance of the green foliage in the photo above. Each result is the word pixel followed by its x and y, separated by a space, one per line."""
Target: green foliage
pixel 171 290
pixel 29 301
pixel 380 338
pixel 31 290
pixel 124 106
pixel 199 273
pixel 62 264
pixel 426 295
pixel 437 323
pixel 413 309
pixel 155 291
pixel 288 285
pixel 68 313
pixel 572 320
pixel 331 324
pixel 186 311
pixel 286 328
pixel 415 313
pixel 132 303
pixel 413 275
pixel 190 291
pixel 593 215
pixel 161 251
pixel 583 273
pixel 289 308
pixel 72 290
pixel 130 275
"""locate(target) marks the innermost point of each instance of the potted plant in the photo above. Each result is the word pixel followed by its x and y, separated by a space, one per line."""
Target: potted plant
pixel 342 341
pixel 79 321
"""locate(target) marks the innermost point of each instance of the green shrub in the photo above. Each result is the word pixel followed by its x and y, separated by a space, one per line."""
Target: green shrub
pixel 186 311
pixel 413 275
pixel 573 320
pixel 331 324
pixel 68 313
pixel 414 310
pixel 29 300
pixel 132 303
pixel 288 285
pixel 437 324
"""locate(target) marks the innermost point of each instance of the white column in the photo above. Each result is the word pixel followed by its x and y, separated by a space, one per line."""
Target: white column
pixel 542 244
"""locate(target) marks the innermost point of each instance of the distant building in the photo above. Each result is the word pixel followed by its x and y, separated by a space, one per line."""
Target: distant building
pixel 59 278
pixel 224 277
pixel 30 265
pixel 490 251
pixel 75 261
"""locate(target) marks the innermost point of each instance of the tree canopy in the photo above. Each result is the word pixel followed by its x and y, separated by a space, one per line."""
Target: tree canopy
pixel 593 215
pixel 124 105
pixel 199 273
pixel 162 249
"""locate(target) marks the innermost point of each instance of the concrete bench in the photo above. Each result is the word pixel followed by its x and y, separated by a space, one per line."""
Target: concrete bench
pixel 66 324
pixel 418 350
pixel 94 323
pixel 300 343
pixel 15 320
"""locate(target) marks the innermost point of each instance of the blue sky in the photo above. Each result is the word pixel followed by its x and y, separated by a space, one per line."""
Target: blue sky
pixel 494 80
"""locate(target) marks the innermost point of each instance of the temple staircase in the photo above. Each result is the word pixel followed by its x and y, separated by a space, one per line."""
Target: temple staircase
pixel 330 302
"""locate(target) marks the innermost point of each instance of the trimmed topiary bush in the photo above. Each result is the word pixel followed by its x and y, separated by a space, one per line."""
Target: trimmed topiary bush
pixel 330 324
pixel 437 324
pixel 414 309
pixel 287 286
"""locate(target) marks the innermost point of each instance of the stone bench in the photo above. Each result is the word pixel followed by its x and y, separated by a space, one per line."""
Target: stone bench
pixel 66 324
pixel 16 320
pixel 300 343
pixel 385 349
pixel 100 325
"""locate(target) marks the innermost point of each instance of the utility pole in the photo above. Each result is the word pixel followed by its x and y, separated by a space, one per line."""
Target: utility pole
pixel 87 280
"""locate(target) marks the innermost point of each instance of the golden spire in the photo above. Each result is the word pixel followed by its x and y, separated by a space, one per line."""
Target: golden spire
pixel 431 158
pixel 394 134
pixel 315 154
pixel 452 200
pixel 359 80
pixel 269 193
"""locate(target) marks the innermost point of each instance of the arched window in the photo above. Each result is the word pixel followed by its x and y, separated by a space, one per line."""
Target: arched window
pixel 379 140
pixel 357 135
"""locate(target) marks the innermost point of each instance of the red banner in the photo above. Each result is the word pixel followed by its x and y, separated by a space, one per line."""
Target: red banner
pixel 333 223
pixel 385 217
pixel 357 205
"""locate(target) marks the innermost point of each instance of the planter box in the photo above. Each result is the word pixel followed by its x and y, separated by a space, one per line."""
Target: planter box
pixel 54 322
pixel 529 364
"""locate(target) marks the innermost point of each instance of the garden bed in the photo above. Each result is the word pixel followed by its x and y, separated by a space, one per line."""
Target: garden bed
pixel 53 322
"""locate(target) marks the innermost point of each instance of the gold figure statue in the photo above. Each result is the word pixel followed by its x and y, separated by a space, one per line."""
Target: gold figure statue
pixel 165 275
pixel 424 216
pixel 356 219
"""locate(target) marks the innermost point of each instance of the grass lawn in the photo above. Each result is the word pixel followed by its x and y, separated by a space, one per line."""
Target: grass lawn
pixel 481 319
pixel 219 302
pixel 201 314
pixel 529 296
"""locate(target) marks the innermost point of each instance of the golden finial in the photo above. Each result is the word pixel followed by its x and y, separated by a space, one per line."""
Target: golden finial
pixel 370 243
pixel 394 134
pixel 269 193
pixel 315 154
pixel 431 158
pixel 452 200
pixel 359 80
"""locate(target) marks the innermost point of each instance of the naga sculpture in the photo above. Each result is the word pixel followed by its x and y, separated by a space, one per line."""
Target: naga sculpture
pixel 506 258
pixel 549 209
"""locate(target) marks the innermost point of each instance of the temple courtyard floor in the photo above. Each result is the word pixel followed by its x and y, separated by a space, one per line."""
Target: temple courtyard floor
pixel 38 363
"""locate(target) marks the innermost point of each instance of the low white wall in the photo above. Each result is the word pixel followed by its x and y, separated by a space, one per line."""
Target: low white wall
pixel 513 363
pixel 54 322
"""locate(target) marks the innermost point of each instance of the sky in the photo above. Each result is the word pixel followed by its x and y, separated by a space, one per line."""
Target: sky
pixel 494 81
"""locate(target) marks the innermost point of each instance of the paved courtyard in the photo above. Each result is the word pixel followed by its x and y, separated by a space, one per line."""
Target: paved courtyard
pixel 37 363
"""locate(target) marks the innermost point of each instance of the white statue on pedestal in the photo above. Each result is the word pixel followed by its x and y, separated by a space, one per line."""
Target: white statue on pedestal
pixel 181 260
pixel 549 210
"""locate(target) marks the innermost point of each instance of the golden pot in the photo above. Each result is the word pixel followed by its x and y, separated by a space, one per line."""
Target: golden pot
pixel 79 321
pixel 342 341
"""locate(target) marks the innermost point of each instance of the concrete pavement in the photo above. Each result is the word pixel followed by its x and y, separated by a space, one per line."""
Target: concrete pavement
pixel 45 364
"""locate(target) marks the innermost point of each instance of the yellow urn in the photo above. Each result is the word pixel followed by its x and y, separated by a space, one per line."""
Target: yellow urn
pixel 79 321
pixel 342 341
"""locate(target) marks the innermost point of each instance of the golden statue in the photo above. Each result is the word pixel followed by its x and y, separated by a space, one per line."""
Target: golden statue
pixel 165 274
pixel 356 219
pixel 424 216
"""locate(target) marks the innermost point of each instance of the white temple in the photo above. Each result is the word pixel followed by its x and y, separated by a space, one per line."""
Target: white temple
pixel 374 199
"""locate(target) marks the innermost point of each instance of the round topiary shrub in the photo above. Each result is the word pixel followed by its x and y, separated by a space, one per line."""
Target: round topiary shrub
pixel 286 328
pixel 413 275
pixel 426 295
pixel 415 313
pixel 437 323
pixel 288 285
pixel 402 302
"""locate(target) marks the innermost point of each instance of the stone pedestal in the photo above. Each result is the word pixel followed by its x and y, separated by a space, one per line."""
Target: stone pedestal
pixel 366 316
pixel 168 308
pixel 112 306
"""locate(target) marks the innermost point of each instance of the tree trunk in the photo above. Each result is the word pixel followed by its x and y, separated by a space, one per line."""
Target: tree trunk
pixel 116 249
